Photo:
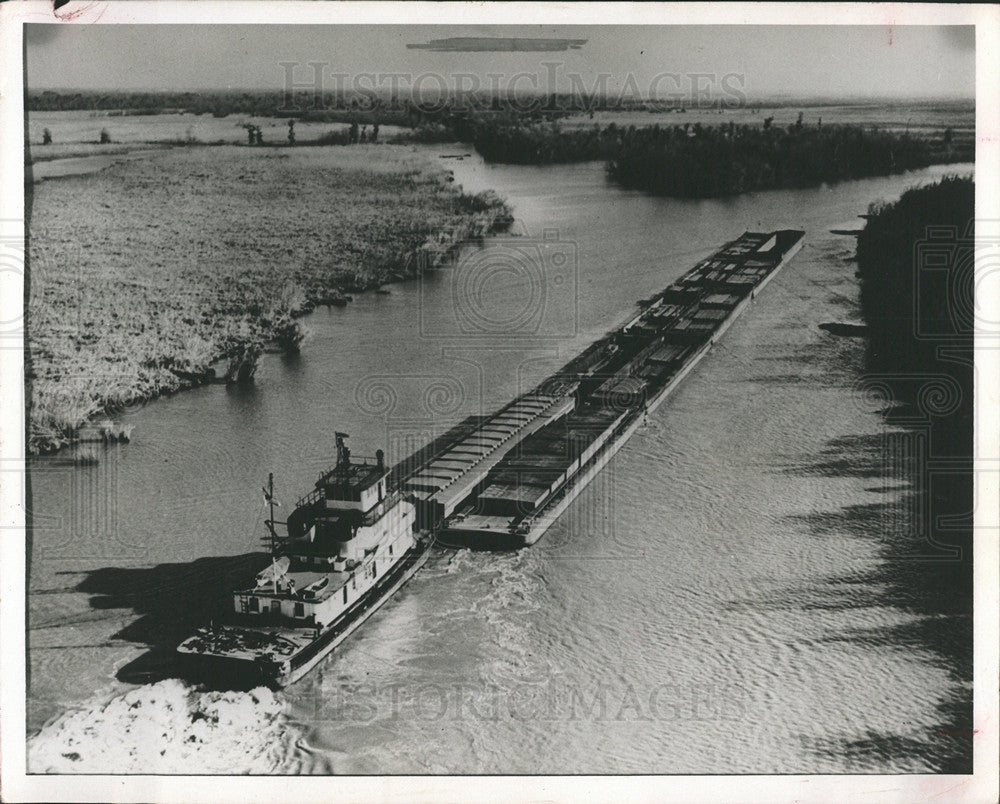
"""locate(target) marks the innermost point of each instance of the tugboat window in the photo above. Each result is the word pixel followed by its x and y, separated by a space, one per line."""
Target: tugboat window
pixel 300 610
pixel 254 605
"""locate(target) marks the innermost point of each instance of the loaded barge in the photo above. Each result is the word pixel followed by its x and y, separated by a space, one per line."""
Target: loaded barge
pixel 492 482
pixel 609 389
pixel 348 546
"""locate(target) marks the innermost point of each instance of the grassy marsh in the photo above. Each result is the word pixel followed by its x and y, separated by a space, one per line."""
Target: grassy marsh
pixel 147 272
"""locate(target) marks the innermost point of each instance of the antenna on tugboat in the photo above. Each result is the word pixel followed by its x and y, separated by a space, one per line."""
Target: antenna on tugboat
pixel 269 493
pixel 269 497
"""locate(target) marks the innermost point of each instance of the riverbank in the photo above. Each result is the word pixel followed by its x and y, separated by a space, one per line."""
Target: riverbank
pixel 144 274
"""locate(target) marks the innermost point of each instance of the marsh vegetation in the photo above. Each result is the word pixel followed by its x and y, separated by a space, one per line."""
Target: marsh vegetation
pixel 917 263
pixel 169 271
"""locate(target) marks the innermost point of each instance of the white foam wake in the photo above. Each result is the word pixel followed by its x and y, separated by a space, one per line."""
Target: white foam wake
pixel 167 727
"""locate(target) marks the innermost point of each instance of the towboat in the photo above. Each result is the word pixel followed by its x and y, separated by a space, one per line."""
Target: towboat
pixel 348 546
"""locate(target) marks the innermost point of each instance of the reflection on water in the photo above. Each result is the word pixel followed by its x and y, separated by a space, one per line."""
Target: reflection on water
pixel 82 165
pixel 926 573
pixel 725 597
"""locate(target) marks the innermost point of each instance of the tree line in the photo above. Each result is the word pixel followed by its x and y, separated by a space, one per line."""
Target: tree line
pixel 303 106
pixel 696 161
pixel 915 261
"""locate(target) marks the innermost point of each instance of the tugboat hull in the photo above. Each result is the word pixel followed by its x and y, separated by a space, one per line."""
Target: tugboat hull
pixel 308 648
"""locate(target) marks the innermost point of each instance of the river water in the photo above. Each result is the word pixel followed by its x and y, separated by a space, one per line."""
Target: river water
pixel 706 606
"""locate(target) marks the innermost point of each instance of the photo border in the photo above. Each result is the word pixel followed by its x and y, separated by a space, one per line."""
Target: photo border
pixel 19 786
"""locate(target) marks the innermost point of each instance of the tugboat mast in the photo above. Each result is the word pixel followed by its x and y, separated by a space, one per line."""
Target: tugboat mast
pixel 269 496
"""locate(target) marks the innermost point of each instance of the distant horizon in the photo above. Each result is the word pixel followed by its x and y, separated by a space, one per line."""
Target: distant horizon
pixel 825 100
pixel 833 62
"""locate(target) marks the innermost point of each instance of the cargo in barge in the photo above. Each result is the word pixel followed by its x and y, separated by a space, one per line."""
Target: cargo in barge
pixel 609 389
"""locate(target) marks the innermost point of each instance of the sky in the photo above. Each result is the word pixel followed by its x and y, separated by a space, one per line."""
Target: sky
pixel 834 61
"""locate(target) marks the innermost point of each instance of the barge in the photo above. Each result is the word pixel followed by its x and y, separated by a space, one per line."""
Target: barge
pixel 610 389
